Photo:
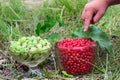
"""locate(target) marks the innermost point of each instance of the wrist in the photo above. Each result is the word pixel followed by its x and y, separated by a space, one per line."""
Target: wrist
pixel 106 3
pixel 112 2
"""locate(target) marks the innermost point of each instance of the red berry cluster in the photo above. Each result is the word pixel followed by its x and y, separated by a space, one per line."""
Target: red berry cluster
pixel 76 55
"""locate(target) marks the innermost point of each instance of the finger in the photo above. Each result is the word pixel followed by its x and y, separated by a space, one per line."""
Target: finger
pixel 98 16
pixel 88 19
pixel 86 26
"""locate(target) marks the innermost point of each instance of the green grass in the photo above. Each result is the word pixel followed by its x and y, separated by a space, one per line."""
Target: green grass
pixel 15 15
pixel 16 20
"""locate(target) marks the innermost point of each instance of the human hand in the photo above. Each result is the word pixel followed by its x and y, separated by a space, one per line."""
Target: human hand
pixel 93 12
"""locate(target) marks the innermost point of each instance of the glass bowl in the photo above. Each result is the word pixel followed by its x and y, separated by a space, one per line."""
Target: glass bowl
pixel 30 51
pixel 31 59
pixel 76 60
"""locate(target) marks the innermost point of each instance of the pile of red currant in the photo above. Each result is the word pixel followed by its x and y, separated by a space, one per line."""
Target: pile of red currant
pixel 76 55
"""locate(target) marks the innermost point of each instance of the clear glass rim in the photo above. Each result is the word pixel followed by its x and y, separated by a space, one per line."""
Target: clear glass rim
pixel 94 45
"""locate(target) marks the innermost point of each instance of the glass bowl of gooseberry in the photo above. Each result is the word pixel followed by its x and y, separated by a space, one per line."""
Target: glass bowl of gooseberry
pixel 30 51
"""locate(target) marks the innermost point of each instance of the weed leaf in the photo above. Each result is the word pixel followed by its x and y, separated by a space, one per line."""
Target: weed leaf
pixel 97 35
pixel 38 29
pixel 54 37
pixel 48 24
pixel 67 75
pixel 60 21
